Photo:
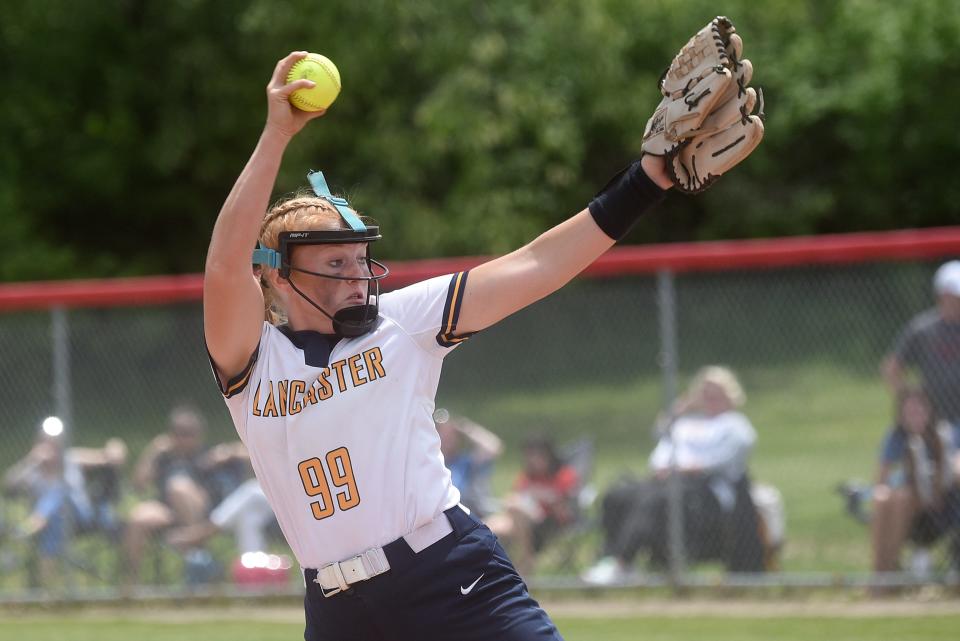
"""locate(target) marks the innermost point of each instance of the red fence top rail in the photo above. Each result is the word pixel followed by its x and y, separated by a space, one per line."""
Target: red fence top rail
pixel 642 259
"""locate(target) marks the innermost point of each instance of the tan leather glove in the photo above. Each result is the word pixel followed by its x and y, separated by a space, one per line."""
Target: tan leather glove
pixel 703 125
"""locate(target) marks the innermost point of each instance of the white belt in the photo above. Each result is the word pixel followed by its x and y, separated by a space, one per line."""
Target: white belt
pixel 337 577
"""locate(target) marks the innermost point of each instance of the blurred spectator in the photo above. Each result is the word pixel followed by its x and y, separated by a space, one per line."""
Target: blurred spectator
pixel 916 495
pixel 469 451
pixel 57 483
pixel 187 477
pixel 245 513
pixel 543 501
pixel 708 444
pixel 930 344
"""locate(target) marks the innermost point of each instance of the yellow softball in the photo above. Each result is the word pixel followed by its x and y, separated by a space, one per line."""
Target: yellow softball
pixel 323 73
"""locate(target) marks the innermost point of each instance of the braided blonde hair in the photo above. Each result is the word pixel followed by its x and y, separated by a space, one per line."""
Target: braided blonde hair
pixel 301 212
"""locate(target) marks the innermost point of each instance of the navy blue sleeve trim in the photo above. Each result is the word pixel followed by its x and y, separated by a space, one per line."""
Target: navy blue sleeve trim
pixel 447 336
pixel 236 384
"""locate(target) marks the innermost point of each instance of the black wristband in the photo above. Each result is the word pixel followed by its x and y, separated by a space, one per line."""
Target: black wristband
pixel 619 205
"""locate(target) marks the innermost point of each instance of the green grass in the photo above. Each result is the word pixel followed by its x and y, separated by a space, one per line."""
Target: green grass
pixel 743 629
pixel 746 629
pixel 573 629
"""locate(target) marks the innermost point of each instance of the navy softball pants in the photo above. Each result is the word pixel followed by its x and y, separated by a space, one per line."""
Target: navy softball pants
pixel 461 588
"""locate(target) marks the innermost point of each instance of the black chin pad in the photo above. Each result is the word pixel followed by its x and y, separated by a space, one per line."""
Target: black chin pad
pixel 351 322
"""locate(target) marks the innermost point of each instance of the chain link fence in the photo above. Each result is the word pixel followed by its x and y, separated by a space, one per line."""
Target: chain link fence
pixel 597 367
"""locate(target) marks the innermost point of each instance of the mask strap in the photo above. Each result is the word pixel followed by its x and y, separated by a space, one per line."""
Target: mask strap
pixel 320 188
pixel 266 256
pixel 338 324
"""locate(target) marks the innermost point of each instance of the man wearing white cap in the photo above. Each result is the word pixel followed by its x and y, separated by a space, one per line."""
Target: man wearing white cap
pixel 930 343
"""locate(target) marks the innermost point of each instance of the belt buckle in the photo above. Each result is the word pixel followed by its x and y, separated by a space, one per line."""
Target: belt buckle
pixel 338 573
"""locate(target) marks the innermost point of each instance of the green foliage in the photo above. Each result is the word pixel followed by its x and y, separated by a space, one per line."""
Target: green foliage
pixel 465 127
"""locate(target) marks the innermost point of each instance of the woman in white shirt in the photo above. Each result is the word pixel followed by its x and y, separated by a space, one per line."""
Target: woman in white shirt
pixel 707 441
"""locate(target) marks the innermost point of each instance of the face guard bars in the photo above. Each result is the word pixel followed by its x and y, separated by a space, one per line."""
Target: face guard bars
pixel 348 322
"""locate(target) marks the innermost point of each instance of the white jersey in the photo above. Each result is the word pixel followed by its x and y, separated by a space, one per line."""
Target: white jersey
pixel 347 451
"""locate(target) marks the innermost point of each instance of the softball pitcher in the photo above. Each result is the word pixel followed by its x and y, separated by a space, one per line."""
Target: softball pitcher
pixel 333 393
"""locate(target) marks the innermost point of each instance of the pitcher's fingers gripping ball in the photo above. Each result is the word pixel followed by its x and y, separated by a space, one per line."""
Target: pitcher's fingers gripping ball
pixel 326 79
pixel 703 126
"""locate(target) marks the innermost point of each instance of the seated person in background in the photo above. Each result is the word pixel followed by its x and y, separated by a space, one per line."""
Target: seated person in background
pixel 101 471
pixel 930 346
pixel 56 482
pixel 543 501
pixel 707 442
pixel 469 451
pixel 188 479
pixel 916 495
pixel 245 512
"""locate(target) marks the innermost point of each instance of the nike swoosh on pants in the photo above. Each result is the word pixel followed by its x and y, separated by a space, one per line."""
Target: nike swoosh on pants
pixel 466 590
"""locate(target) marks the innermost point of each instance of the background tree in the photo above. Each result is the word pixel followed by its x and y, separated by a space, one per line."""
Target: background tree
pixel 465 127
